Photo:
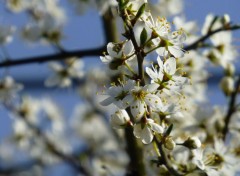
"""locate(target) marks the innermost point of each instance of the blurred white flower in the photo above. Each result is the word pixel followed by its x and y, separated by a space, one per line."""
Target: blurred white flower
pixel 166 7
pixel 64 73
pixel 28 109
pixel 6 34
pixel 17 5
pixel 8 88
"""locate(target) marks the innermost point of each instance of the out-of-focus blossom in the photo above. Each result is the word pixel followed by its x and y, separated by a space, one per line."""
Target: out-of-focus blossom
pixel 64 73
pixel 8 88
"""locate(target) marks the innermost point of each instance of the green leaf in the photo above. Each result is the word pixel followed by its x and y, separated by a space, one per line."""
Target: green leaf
pixel 122 4
pixel 143 36
pixel 169 130
pixel 139 13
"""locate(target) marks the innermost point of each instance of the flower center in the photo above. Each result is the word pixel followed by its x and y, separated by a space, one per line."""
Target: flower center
pixel 139 95
pixel 214 160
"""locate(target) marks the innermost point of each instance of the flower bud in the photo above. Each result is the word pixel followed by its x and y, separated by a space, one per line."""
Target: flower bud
pixel 192 143
pixel 119 119
pixel 169 143
pixel 229 70
pixel 227 85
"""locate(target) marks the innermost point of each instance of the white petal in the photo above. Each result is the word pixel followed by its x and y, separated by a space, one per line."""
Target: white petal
pixel 127 101
pixel 162 51
pixel 146 135
pixel 170 66
pixel 153 101
pixel 157 128
pixel 138 109
pixel 160 63
pixel 129 85
pixel 137 130
pixel 114 91
pixel 153 75
pixel 176 51
pixel 107 101
pixel 150 87
pixel 128 47
pixel 106 59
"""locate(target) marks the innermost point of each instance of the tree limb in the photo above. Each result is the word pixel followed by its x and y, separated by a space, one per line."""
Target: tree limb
pixel 53 57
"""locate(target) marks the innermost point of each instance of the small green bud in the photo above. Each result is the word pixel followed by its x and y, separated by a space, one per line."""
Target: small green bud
pixel 192 143
pixel 169 143
pixel 169 130
pixel 229 70
pixel 227 85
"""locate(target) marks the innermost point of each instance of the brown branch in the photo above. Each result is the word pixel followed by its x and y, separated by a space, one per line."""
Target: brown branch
pixel 200 41
pixel 53 57
pixel 231 108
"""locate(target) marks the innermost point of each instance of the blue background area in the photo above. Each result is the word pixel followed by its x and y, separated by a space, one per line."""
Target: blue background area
pixel 86 32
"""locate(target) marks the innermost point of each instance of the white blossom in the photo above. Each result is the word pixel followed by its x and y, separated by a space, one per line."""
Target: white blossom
pixel 63 74
pixel 145 131
pixel 165 77
pixel 141 97
pixel 118 93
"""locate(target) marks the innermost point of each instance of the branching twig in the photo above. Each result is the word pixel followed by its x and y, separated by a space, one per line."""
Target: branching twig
pixel 231 108
pixel 198 43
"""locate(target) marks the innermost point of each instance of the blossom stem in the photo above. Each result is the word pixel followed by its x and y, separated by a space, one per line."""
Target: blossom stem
pixel 153 49
pixel 130 69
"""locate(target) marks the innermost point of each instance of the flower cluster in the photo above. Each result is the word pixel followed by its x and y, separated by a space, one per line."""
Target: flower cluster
pixel 135 99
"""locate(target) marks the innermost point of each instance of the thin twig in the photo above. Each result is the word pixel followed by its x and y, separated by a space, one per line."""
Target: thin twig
pixel 231 108
pixel 198 43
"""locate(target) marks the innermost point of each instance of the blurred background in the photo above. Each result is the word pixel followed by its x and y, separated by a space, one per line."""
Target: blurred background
pixel 85 31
